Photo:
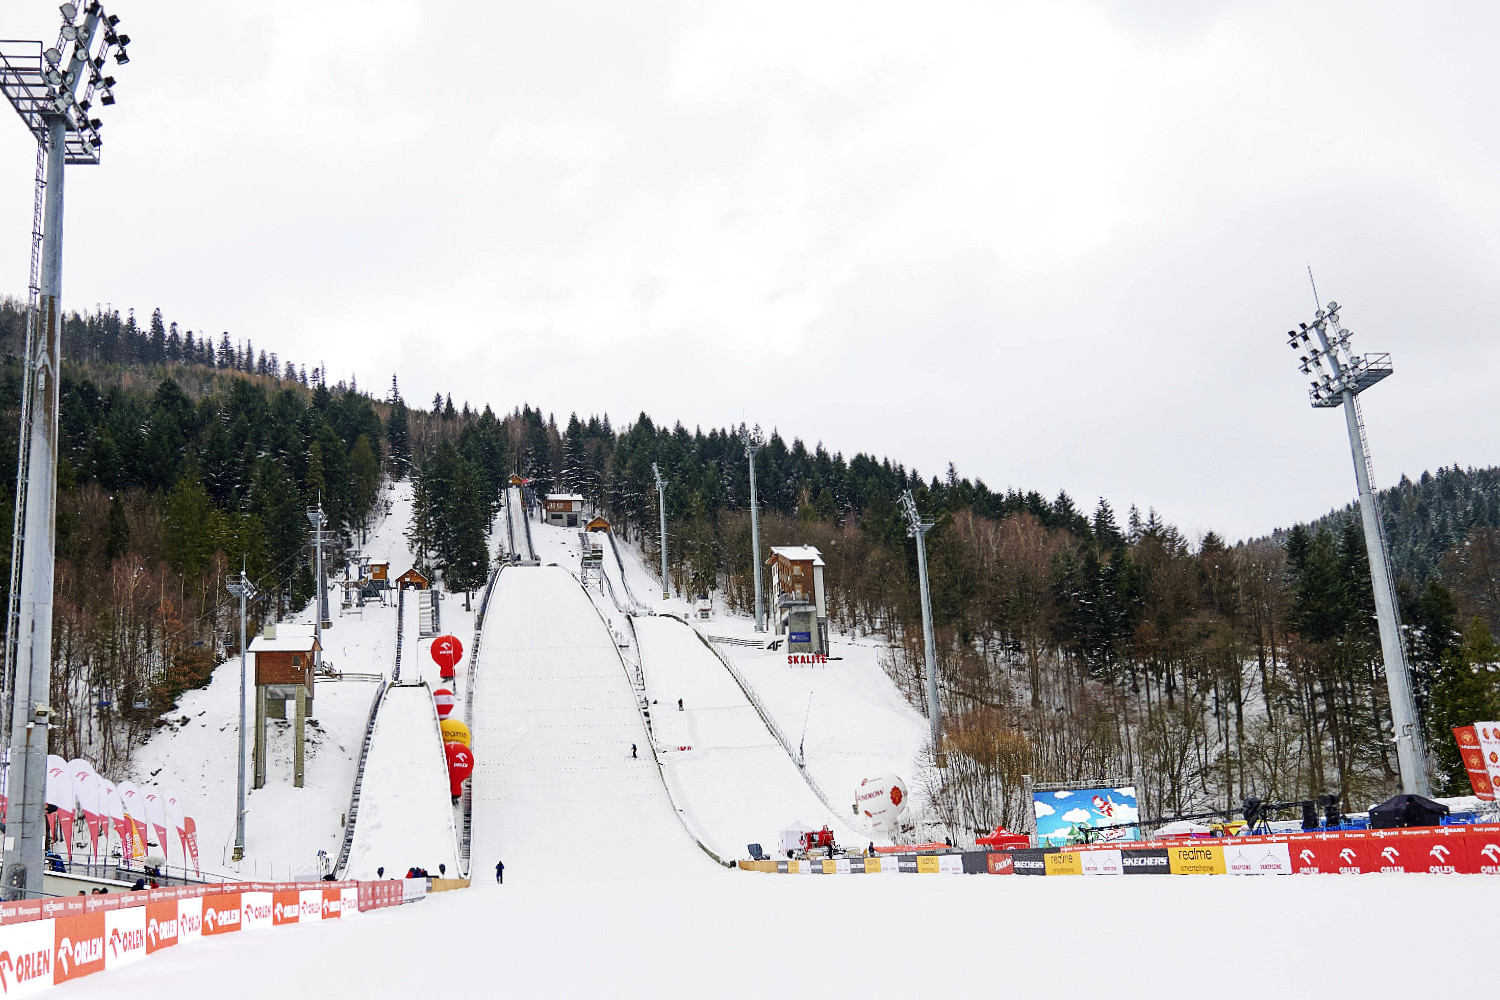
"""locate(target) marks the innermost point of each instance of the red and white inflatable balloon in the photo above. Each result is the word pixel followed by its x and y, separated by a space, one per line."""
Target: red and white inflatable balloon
pixel 460 766
pixel 445 701
pixel 446 652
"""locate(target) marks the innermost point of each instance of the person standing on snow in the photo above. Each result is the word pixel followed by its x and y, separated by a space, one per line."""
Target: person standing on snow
pixel 632 752
pixel 499 872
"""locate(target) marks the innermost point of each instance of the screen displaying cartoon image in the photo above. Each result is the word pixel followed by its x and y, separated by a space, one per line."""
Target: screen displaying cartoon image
pixel 1109 813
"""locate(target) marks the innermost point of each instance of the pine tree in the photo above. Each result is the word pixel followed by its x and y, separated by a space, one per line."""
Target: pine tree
pixel 398 439
pixel 467 560
pixel 118 542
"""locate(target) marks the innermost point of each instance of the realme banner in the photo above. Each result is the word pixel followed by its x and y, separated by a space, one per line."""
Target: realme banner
pixel 1196 859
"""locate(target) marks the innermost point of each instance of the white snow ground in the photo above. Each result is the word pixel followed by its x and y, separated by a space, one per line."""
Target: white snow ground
pixel 565 929
pixel 555 789
pixel 736 782
pixel 405 812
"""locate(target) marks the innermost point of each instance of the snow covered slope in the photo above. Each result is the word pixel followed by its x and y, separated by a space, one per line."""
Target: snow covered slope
pixel 405 812
pixel 736 783
pixel 554 718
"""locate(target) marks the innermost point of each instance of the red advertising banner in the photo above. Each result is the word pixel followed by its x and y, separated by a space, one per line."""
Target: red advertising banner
pixel 1001 864
pixel 161 925
pixel 1473 757
pixel 1482 853
pixel 221 913
pixel 333 903
pixel 286 907
pixel 78 944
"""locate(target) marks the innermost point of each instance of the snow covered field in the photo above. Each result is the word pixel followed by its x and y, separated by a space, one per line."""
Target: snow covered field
pixel 581 927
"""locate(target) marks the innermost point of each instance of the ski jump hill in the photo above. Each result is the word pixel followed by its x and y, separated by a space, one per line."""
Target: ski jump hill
pixel 553 721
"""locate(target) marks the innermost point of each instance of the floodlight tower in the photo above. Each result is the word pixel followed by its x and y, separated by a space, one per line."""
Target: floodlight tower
pixel 245 591
pixel 316 516
pixel 661 499
pixel 918 529
pixel 1339 376
pixel 43 86
pixel 754 442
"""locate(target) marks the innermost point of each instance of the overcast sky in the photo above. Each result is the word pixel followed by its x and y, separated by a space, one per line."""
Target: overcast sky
pixel 1056 244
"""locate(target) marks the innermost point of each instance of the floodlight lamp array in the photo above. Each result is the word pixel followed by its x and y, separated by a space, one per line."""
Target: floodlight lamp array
pixel 45 85
pixel 1325 356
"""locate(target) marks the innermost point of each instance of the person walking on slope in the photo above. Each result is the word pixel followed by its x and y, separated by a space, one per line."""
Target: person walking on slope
pixel 632 752
pixel 499 872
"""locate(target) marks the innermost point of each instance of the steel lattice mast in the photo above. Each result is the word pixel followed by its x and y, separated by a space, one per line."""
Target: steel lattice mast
pixel 754 442
pixel 661 499
pixel 1339 376
pixel 44 86
pixel 918 529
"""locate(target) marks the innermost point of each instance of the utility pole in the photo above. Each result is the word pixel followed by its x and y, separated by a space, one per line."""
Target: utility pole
pixel 43 87
pixel 315 515
pixel 661 499
pixel 753 443
pixel 1345 376
pixel 918 529
pixel 245 591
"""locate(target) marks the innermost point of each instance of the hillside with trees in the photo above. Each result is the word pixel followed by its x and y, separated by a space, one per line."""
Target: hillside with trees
pixel 1074 641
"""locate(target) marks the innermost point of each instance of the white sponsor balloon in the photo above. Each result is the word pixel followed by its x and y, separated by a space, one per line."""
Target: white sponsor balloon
pixel 881 801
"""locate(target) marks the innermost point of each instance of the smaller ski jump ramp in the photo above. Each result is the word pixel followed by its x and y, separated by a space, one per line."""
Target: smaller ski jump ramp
pixel 405 809
pixel 736 783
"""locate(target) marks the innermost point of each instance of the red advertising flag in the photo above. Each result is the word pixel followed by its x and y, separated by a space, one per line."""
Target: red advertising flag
pixel 192 841
pixel 1489 750
pixel 1473 756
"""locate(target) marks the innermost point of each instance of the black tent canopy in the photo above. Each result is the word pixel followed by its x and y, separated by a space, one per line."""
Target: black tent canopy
pixel 1407 810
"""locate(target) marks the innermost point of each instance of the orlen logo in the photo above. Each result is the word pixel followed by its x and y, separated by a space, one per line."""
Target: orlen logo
pixel 123 942
pixel 187 923
pixel 1392 860
pixel 1492 852
pixel 1442 867
pixel 332 906
pixel 165 930
pixel 83 952
pixel 258 911
pixel 24 967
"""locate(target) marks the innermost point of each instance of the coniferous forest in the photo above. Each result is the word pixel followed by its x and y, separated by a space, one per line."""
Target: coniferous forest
pixel 1075 641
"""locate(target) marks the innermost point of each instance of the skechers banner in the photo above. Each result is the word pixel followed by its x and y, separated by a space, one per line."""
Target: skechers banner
pixel 1030 862
pixel 1149 861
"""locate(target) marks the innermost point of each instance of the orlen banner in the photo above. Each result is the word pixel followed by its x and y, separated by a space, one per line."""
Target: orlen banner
pixel 125 936
pixel 78 945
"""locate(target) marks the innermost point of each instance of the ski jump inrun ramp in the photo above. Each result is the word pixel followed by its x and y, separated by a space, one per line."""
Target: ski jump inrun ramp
pixel 553 720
